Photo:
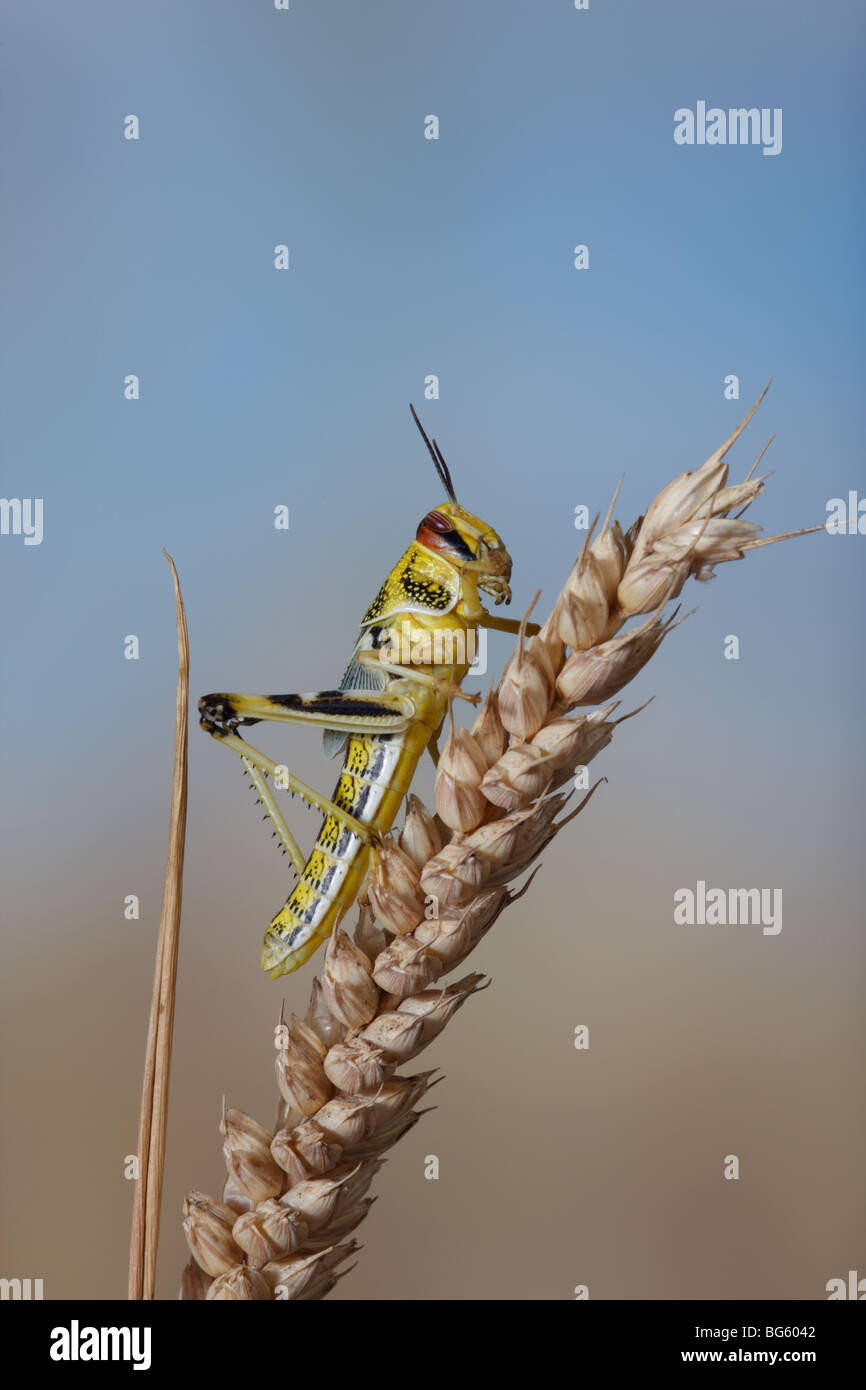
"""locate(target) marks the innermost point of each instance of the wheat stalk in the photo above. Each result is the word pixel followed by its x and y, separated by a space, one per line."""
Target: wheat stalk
pixel 293 1196
pixel 153 1109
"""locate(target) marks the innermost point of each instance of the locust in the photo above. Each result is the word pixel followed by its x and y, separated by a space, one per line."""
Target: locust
pixel 384 715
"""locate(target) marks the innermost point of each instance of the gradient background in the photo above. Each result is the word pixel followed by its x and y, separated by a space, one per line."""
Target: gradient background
pixel 453 257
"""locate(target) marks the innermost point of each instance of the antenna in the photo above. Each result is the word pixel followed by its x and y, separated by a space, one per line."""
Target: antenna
pixel 436 455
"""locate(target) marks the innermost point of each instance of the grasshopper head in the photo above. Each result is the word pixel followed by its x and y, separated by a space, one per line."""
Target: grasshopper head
pixel 470 545
pixel 466 542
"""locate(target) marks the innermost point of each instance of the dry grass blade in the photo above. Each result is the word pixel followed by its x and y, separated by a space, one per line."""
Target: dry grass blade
pixel 292 1196
pixel 157 1062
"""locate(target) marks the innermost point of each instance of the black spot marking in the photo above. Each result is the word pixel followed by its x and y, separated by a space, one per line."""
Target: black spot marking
pixel 426 591
pixel 377 607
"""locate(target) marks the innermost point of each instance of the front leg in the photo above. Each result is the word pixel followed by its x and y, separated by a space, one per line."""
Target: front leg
pixel 506 624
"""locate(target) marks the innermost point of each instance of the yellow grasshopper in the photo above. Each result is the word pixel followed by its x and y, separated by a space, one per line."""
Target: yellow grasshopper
pixel 384 714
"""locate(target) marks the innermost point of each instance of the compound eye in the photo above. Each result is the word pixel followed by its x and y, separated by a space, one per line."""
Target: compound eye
pixel 436 521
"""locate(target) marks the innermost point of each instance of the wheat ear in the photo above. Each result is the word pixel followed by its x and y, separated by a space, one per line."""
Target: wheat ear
pixel 293 1196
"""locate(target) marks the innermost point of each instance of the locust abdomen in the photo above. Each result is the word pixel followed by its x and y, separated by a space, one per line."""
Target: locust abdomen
pixel 376 773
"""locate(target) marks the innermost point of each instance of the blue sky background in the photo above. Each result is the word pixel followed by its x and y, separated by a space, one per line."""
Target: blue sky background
pixel 411 257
